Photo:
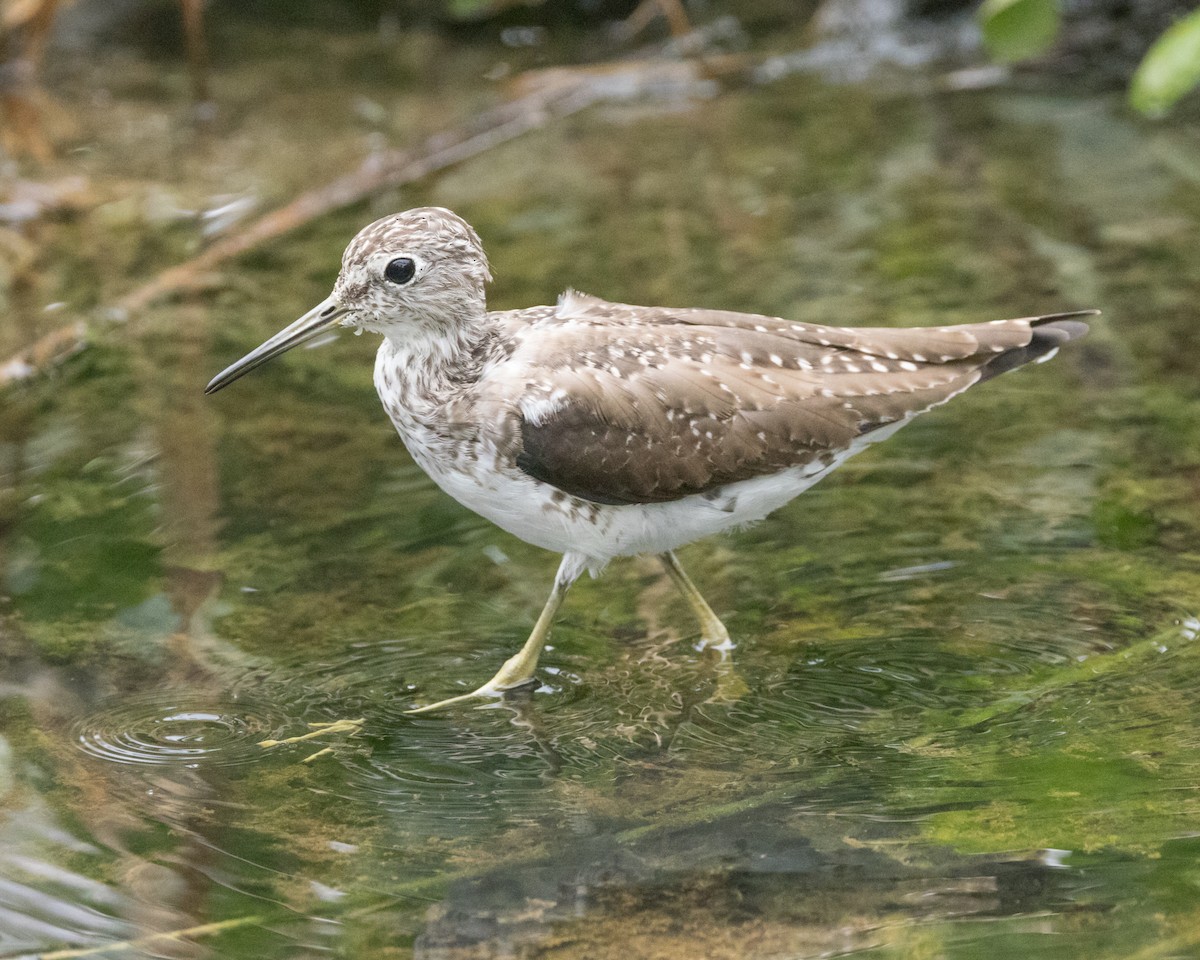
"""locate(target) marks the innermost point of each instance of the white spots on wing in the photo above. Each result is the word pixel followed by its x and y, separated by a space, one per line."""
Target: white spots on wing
pixel 919 357
pixel 776 359
pixel 878 367
pixel 851 367
pixel 747 358
pixel 909 366
pixel 760 328
pixel 537 409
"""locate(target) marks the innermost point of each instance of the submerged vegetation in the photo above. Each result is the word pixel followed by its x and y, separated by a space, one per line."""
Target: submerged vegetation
pixel 960 718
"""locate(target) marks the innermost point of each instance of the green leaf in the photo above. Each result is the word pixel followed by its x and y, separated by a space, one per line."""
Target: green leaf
pixel 1018 29
pixel 1170 69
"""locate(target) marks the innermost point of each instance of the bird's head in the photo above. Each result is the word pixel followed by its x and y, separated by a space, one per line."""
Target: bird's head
pixel 414 273
pixel 423 266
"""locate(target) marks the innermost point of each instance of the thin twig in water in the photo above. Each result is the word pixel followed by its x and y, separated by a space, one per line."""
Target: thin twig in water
pixel 320 730
pixel 202 930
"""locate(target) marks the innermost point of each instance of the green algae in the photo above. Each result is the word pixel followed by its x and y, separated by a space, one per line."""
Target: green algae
pixel 959 651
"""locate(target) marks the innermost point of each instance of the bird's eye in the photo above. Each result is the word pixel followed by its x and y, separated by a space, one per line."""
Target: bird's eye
pixel 400 270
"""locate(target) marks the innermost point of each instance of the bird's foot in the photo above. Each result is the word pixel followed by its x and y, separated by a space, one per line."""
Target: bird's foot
pixel 717 644
pixel 489 691
pixel 716 638
pixel 730 685
pixel 516 674
pixel 320 729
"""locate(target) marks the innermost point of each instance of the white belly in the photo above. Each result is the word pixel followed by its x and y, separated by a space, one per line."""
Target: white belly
pixel 542 515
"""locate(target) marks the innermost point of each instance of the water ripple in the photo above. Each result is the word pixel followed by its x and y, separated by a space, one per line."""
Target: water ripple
pixel 177 729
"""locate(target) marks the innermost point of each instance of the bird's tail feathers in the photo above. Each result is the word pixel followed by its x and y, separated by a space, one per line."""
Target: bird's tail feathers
pixel 1049 333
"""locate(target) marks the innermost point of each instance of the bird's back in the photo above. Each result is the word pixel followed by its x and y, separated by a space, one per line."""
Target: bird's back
pixel 620 404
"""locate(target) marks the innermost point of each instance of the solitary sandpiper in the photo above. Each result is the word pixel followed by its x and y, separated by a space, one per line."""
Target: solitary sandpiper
pixel 601 430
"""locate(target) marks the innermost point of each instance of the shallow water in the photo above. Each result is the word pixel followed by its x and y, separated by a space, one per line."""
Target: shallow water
pixel 960 718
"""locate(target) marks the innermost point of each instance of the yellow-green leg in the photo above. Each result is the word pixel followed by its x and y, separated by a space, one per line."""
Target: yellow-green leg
pixel 518 670
pixel 712 630
pixel 730 686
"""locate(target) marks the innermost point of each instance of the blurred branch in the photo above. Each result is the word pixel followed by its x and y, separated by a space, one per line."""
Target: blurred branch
pixel 551 95
pixel 542 97
pixel 197 48
pixel 380 171
pixel 44 353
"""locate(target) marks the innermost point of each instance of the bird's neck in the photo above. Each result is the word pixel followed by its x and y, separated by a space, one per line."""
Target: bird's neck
pixel 427 367
pixel 432 347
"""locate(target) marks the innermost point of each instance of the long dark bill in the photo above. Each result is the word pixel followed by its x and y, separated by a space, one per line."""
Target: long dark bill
pixel 321 317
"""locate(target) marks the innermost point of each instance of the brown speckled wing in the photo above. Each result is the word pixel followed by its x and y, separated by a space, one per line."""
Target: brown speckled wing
pixel 642 405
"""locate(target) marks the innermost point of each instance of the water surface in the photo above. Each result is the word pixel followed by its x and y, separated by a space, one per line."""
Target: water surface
pixel 960 719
